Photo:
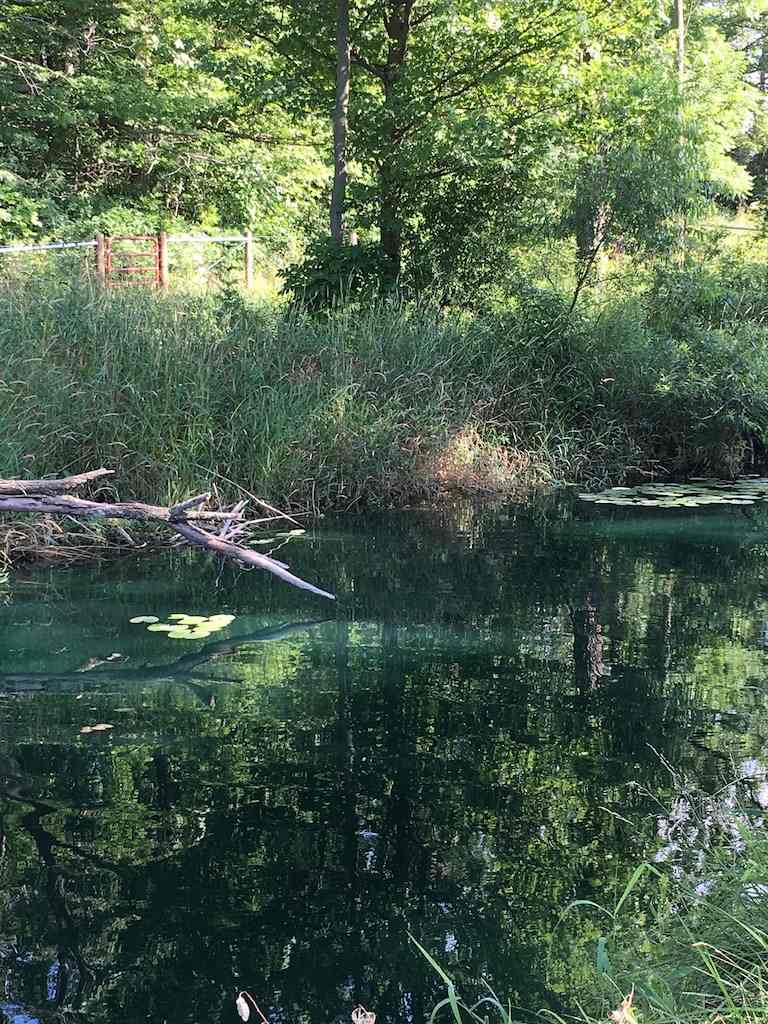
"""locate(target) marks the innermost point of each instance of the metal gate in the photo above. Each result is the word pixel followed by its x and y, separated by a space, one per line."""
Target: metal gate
pixel 137 264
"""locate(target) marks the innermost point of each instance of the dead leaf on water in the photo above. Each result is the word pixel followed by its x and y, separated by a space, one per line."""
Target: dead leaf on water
pixel 625 1013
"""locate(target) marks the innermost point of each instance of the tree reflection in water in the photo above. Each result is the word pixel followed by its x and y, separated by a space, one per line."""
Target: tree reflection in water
pixel 277 810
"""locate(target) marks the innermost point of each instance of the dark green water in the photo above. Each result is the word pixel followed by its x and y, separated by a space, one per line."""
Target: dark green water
pixel 447 754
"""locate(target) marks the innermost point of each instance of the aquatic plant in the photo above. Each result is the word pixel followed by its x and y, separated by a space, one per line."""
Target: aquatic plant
pixel 694 494
pixel 688 935
pixel 181 626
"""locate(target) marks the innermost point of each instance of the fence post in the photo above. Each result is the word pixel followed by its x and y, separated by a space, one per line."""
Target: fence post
pixel 101 258
pixel 248 260
pixel 163 269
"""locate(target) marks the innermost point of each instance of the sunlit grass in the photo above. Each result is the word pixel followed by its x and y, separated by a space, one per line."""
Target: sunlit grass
pixel 382 404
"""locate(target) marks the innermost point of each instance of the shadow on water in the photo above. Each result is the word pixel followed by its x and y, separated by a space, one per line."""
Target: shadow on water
pixel 455 755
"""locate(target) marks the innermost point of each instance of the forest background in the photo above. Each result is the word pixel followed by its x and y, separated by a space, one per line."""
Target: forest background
pixel 551 211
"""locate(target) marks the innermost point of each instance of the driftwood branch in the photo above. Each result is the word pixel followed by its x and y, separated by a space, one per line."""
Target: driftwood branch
pixel 57 486
pixel 184 518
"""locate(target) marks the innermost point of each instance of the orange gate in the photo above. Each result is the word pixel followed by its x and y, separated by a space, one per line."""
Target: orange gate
pixel 134 259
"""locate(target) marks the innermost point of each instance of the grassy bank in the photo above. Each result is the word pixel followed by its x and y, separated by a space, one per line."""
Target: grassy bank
pixel 384 404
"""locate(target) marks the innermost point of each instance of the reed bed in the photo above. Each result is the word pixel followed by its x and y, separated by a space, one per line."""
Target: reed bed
pixel 377 405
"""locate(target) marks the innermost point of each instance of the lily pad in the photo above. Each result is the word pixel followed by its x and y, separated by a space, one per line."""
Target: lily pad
pixel 144 618
pixel 697 493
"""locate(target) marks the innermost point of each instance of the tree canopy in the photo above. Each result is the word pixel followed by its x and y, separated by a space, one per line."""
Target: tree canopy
pixel 469 127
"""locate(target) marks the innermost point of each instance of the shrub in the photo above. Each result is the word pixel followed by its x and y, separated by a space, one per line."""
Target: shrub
pixel 331 272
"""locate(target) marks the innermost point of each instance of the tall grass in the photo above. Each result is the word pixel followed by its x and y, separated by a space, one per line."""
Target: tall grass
pixel 381 404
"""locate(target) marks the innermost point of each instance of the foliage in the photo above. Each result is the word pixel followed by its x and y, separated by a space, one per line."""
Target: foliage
pixel 330 273
pixel 381 403
pixel 120 118
pixel 687 940
pixel 473 129
pixel 701 952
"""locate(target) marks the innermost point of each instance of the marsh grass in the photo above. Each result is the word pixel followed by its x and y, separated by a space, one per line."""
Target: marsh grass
pixel 376 405
pixel 66 541
pixel 686 940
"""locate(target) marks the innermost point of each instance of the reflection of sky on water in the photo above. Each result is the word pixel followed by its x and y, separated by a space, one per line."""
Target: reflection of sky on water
pixel 15 1014
pixel 53 976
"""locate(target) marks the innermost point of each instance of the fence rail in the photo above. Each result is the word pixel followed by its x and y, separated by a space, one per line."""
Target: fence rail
pixel 103 245
pixel 47 246
pixel 208 238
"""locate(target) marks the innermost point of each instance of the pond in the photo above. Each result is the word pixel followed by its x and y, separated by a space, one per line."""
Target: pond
pixel 471 737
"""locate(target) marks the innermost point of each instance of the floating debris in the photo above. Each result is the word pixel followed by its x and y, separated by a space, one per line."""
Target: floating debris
pixel 99 727
pixel 695 494
pixel 362 1016
pixel 144 618
pixel 243 1005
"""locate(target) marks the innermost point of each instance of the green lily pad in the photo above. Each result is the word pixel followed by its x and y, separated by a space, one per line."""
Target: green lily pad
pixel 144 618
pixel 695 494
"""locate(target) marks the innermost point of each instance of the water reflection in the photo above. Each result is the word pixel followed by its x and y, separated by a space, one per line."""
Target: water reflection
pixel 276 810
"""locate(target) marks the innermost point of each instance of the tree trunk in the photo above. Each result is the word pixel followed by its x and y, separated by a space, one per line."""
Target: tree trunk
pixel 340 120
pixel 397 22
pixel 679 22
pixel 590 224
pixel 590 230
pixel 389 217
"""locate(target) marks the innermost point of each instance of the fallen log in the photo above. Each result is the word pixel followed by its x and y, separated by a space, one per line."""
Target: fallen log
pixel 184 518
pixel 58 485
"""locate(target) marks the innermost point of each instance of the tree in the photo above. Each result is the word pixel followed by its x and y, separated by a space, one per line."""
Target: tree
pixel 431 85
pixel 643 152
pixel 340 120
pixel 121 116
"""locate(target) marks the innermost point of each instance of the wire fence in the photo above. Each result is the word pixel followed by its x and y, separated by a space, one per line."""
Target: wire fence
pixel 46 247
pixel 152 259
